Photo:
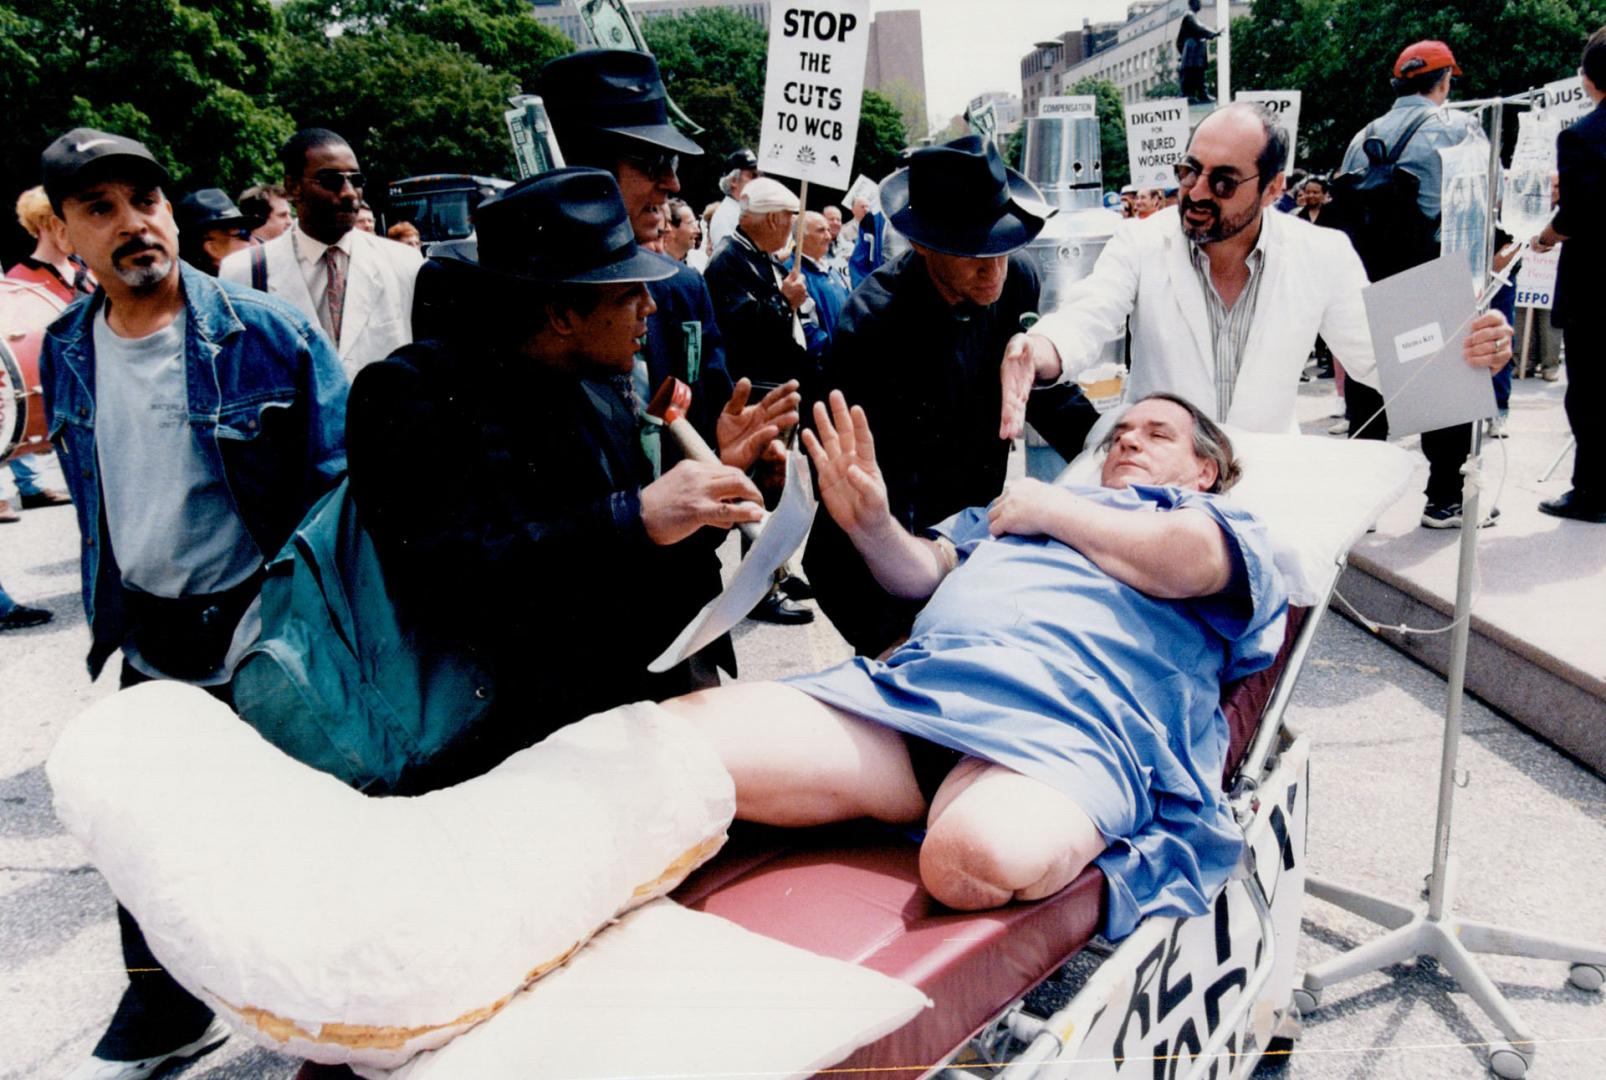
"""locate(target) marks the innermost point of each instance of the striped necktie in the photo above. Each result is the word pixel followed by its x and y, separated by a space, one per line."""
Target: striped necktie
pixel 335 292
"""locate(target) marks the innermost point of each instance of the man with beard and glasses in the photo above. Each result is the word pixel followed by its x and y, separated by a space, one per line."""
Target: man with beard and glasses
pixel 197 422
pixel 355 285
pixel 1225 297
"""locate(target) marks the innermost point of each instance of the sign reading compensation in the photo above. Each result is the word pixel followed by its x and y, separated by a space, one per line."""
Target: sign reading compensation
pixel 1079 107
pixel 1156 139
pixel 812 90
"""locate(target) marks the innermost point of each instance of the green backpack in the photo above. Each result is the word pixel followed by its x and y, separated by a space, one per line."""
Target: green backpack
pixel 334 681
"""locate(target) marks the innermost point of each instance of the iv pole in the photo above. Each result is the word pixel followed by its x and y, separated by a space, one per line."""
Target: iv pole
pixel 1413 932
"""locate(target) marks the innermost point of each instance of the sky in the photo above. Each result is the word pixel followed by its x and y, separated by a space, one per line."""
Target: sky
pixel 973 46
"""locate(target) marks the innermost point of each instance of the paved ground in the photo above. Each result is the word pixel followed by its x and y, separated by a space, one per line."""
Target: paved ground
pixel 1530 829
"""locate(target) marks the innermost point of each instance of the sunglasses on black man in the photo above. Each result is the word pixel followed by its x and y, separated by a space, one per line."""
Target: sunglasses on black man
pixel 334 181
pixel 1223 185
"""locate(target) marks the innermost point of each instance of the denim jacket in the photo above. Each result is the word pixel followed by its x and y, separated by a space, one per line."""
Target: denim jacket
pixel 267 404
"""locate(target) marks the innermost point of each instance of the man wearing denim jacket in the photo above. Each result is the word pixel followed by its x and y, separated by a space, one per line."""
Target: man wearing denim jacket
pixel 197 422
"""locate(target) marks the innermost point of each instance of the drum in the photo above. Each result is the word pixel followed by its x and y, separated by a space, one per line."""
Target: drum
pixel 22 403
pixel 25 311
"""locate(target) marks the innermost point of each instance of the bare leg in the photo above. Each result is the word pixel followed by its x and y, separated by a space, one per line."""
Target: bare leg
pixel 798 761
pixel 994 835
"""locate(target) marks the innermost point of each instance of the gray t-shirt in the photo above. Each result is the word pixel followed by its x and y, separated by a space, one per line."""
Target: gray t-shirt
pixel 173 524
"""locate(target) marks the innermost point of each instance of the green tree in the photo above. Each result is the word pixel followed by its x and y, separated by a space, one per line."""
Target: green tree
pixel 1112 128
pixel 882 137
pixel 1339 54
pixel 190 80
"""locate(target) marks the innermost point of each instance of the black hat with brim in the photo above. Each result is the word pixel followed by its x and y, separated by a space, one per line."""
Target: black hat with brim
pixel 85 155
pixel 208 208
pixel 616 91
pixel 567 226
pixel 960 199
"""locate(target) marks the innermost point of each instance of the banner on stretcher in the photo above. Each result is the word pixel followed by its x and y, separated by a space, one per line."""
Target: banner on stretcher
pixel 813 86
pixel 1156 139
pixel 1284 104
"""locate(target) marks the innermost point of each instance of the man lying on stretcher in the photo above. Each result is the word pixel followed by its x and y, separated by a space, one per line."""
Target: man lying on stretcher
pixel 1057 702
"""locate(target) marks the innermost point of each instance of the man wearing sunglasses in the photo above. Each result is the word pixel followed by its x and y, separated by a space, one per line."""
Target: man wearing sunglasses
pixel 1225 297
pixel 356 286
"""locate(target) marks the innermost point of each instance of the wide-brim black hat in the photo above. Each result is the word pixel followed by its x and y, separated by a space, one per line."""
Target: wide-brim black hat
pixel 208 208
pixel 618 91
pixel 960 199
pixel 567 226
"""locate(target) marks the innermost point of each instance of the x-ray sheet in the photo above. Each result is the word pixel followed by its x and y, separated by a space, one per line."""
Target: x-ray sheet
pixel 783 533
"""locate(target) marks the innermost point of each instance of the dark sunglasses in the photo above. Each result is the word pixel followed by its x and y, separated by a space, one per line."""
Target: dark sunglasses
pixel 334 181
pixel 653 165
pixel 1222 185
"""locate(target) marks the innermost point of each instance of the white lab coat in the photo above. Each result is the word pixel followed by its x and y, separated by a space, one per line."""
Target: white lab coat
pixel 378 314
pixel 1311 284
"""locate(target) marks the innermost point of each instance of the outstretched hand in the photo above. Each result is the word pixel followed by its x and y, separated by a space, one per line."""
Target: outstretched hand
pixel 1027 359
pixel 851 485
pixel 746 431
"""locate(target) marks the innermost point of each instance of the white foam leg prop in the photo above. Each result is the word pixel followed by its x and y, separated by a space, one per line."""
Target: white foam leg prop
pixel 334 926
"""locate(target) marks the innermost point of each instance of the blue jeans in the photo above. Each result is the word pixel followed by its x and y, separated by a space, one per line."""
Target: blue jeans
pixel 26 474
pixel 1502 387
pixel 7 605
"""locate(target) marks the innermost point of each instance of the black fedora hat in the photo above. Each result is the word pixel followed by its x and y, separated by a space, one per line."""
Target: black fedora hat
pixel 960 199
pixel 618 91
pixel 563 226
pixel 208 208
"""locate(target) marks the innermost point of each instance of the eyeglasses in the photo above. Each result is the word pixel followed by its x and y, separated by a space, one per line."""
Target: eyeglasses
pixel 334 181
pixel 1223 185
pixel 653 165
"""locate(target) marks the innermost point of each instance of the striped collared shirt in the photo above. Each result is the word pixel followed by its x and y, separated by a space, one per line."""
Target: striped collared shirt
pixel 1229 326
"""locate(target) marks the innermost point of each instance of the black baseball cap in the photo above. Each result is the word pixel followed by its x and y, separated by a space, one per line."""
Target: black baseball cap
pixel 564 226
pixel 617 91
pixel 742 159
pixel 84 154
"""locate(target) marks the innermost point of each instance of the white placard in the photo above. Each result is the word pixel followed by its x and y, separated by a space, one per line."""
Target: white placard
pixel 865 188
pixel 1074 107
pixel 1564 101
pixel 1536 279
pixel 1156 139
pixel 812 90
pixel 1418 342
pixel 1285 103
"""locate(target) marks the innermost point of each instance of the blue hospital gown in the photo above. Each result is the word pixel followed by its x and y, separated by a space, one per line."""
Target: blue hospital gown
pixel 1030 656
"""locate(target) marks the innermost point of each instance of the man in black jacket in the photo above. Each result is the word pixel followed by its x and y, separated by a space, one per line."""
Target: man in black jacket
pixel 1581 221
pixel 553 555
pixel 918 346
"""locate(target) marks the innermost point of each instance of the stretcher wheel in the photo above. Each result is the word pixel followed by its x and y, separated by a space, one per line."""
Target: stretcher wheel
pixel 1586 977
pixel 1507 1062
pixel 1307 1001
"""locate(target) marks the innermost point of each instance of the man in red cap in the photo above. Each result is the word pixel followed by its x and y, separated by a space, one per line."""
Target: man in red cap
pixel 1421 82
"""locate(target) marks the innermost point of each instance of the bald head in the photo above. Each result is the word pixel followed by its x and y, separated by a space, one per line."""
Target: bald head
pixel 1245 130
pixel 816 235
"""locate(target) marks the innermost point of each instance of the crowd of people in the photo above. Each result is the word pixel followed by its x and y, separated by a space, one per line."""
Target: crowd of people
pixel 225 368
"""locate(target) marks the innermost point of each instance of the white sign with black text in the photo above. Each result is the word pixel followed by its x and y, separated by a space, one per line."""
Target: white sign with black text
pixel 1564 101
pixel 812 90
pixel 1285 104
pixel 1536 279
pixel 1156 139
pixel 1080 107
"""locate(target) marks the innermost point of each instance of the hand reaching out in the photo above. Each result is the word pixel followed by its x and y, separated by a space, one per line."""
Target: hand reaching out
pixel 745 431
pixel 851 486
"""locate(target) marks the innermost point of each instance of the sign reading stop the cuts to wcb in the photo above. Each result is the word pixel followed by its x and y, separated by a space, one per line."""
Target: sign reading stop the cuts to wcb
pixel 812 90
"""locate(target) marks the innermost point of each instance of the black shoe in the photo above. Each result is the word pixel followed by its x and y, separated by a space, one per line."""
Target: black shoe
pixel 1448 516
pixel 775 608
pixel 45 497
pixel 1574 506
pixel 795 588
pixel 20 618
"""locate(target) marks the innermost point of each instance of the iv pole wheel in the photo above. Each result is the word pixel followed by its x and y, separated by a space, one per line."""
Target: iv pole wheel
pixel 1586 977
pixel 1307 1001
pixel 1506 1062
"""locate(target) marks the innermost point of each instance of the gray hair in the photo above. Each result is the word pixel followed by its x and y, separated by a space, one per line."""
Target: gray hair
pixel 1210 443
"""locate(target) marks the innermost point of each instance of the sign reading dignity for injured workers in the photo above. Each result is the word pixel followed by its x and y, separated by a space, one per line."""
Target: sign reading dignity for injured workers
pixel 812 90
pixel 1283 103
pixel 1156 139
pixel 1074 107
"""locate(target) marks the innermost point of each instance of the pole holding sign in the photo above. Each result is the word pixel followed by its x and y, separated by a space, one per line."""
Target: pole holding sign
pixel 1156 139
pixel 813 88
pixel 1078 107
pixel 1284 104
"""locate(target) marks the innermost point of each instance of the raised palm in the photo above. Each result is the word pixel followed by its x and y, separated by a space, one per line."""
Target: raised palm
pixel 843 452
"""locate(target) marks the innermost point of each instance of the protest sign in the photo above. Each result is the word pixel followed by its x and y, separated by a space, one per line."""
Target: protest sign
pixel 812 90
pixel 1156 139
pixel 866 189
pixel 1563 101
pixel 1080 107
pixel 1285 104
pixel 1536 279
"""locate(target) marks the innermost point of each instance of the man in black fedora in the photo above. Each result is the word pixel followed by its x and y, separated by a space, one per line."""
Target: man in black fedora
pixel 918 345
pixel 608 111
pixel 554 557
pixel 210 229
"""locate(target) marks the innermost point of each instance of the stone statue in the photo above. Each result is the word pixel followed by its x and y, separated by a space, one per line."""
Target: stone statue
pixel 1191 38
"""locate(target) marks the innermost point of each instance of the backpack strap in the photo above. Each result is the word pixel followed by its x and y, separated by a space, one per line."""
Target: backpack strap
pixel 259 267
pixel 1405 137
